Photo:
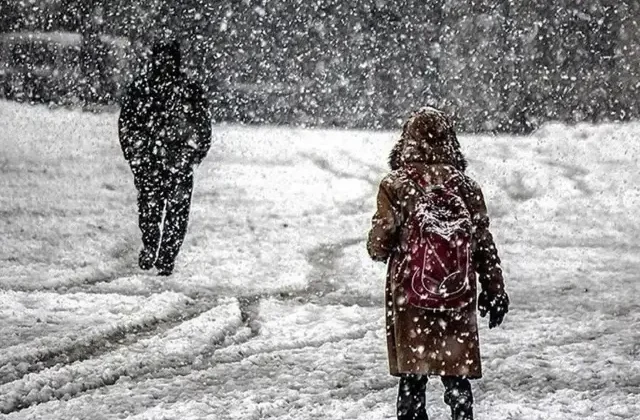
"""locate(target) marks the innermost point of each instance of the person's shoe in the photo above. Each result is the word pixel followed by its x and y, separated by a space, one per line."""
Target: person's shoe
pixel 461 415
pixel 146 259
pixel 164 269
pixel 464 412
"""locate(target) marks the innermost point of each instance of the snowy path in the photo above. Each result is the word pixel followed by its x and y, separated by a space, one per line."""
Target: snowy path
pixel 274 311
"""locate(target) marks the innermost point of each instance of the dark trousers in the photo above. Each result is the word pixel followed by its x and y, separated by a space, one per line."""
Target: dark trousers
pixel 164 200
pixel 412 400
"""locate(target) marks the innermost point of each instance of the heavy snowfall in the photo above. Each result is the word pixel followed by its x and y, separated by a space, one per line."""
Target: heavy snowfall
pixel 275 311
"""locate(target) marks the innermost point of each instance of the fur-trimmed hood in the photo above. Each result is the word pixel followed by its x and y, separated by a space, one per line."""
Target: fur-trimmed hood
pixel 427 137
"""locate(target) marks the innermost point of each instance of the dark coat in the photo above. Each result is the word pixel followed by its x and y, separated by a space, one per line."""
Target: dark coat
pixel 420 341
pixel 166 124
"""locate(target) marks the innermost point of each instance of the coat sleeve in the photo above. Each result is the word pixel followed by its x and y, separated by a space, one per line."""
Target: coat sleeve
pixel 130 131
pixel 200 116
pixel 485 257
pixel 383 236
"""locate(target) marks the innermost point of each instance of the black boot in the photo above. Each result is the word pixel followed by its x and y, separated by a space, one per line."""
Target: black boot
pixel 164 269
pixel 146 259
pixel 459 397
pixel 411 398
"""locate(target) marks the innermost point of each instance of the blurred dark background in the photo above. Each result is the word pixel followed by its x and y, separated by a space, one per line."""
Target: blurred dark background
pixel 500 65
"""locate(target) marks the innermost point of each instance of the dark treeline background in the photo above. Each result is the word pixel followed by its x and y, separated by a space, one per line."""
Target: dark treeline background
pixel 499 65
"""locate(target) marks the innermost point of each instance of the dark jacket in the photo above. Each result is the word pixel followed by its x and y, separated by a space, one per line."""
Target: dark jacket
pixel 165 124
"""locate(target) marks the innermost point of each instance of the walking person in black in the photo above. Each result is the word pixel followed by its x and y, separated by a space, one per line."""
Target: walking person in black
pixel 164 130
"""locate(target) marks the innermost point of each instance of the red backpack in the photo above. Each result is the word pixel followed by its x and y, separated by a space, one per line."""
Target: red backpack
pixel 439 276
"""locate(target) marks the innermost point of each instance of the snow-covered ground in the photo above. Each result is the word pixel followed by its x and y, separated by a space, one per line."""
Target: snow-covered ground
pixel 275 311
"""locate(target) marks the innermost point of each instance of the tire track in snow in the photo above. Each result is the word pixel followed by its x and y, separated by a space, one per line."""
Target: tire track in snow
pixel 574 173
pixel 119 266
pixel 356 205
pixel 242 347
pixel 241 351
pixel 324 257
pixel 178 346
pixel 323 260
pixel 122 339
pixel 325 165
pixel 287 328
pixel 20 363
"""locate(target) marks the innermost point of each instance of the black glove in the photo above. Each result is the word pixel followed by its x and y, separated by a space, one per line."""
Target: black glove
pixel 496 305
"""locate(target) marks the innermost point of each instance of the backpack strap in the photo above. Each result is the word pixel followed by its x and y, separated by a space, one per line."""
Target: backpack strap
pixel 416 184
pixel 414 177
